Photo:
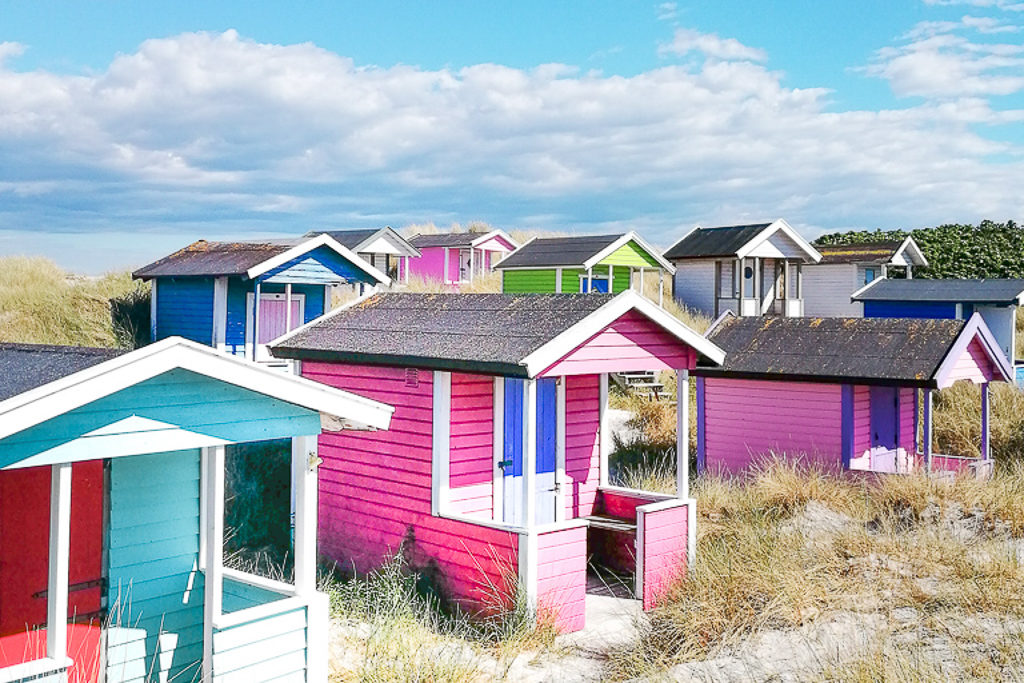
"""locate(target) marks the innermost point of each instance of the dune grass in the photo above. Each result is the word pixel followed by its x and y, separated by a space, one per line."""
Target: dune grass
pixel 42 304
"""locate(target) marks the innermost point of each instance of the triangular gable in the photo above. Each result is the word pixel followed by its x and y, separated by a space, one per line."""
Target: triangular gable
pixel 975 357
pixel 908 253
pixel 300 254
pixel 387 241
pixel 320 266
pixel 630 250
pixel 779 240
pixel 496 240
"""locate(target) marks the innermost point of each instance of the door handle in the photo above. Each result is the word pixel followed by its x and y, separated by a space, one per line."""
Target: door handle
pixel 505 463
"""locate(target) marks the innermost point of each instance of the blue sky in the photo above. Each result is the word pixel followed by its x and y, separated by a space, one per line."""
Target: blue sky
pixel 128 129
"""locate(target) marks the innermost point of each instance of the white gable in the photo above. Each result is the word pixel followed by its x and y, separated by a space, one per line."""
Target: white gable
pixel 778 245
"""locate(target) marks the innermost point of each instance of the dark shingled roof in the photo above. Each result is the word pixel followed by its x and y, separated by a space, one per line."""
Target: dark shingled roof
pixel 557 251
pixel 489 333
pixel 27 366
pixel 350 239
pixel 209 259
pixel 894 351
pixel 975 291
pixel 866 252
pixel 714 242
pixel 451 239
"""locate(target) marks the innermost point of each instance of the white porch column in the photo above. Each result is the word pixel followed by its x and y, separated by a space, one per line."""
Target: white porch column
pixel 682 434
pixel 60 548
pixel 560 480
pixel 405 274
pixel 444 271
pixel 214 575
pixel 590 280
pixel 986 446
pixel 927 434
pixel 641 279
pixel 910 272
pixel 603 432
pixel 529 452
pixel 288 307
pixel 440 469
pixel 304 478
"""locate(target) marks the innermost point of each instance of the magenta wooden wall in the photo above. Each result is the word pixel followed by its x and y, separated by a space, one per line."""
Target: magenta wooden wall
pixel 582 443
pixel 974 365
pixel 472 445
pixel 429 266
pixel 745 420
pixel 375 492
pixel 861 419
pixel 562 577
pixel 633 342
pixel 908 406
pixel 664 551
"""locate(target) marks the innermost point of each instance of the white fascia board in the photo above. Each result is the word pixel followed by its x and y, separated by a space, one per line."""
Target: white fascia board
pixel 910 247
pixel 393 238
pixel 369 294
pixel 497 232
pixel 629 300
pixel 81 388
pixel 863 290
pixel 777 225
pixel 309 245
pixel 625 239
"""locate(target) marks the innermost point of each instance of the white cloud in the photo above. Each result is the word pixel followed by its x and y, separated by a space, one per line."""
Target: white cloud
pixel 667 11
pixel 213 134
pixel 1009 5
pixel 712 46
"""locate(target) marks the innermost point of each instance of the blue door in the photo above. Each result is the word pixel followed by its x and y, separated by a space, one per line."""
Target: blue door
pixel 512 461
pixel 884 417
pixel 599 285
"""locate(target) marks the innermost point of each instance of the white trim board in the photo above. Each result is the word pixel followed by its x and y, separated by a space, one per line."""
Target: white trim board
pixel 308 246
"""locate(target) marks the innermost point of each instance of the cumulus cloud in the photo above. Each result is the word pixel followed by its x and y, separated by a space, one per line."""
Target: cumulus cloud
pixel 686 41
pixel 213 135
pixel 1009 5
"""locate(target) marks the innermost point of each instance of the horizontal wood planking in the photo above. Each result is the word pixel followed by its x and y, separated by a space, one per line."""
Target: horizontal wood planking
pixel 472 445
pixel 630 254
pixel 746 420
pixel 262 650
pixel 664 551
pixel 633 342
pixel 973 365
pixel 430 265
pixel 562 577
pixel 910 309
pixel 185 308
pixel 238 291
pixel 908 426
pixel 321 266
pixel 694 285
pixel 375 493
pixel 861 419
pixel 623 504
pixel 827 289
pixel 529 281
pixel 153 582
pixel 582 444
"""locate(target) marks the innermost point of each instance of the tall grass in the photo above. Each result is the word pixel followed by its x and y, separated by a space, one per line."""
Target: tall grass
pixel 42 304
pixel 957 421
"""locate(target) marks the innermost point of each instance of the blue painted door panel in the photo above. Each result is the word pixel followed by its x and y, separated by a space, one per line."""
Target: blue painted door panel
pixel 597 285
pixel 546 447
pixel 884 417
pixel 513 429
pixel 546 428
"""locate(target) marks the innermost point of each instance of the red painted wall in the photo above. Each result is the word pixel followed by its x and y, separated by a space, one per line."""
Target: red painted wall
pixel 375 492
pixel 664 551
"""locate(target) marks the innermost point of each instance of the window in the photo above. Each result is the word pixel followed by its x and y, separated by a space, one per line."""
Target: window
pixel 869 275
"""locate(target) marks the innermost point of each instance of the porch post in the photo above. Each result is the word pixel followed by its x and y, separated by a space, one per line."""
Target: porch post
pixel 641 279
pixel 682 433
pixel 444 271
pixel 927 436
pixel 60 547
pixel 602 436
pixel 590 280
pixel 405 275
pixel 304 479
pixel 288 307
pixel 255 320
pixel 986 446
pixel 213 589
pixel 661 288
pixel 498 446
pixel 529 452
pixel 560 479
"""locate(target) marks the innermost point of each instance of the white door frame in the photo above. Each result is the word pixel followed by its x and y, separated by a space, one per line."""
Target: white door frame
pixel 251 321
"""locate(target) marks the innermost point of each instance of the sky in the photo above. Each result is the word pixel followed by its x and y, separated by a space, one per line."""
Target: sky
pixel 129 129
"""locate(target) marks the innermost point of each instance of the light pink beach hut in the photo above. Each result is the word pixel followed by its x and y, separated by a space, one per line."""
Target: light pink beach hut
pixel 457 258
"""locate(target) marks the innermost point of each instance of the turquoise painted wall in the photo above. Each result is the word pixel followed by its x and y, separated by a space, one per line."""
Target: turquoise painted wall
pixel 155 591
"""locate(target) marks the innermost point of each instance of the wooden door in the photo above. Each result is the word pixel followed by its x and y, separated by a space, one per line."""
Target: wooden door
pixel 547 430
pixel 545 489
pixel 884 417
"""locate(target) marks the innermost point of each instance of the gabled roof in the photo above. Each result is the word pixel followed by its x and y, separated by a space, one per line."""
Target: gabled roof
pixel 735 241
pixel 83 386
pixel 247 259
pixel 892 351
pixel 584 251
pixel 887 252
pixel 517 335
pixel 27 366
pixel 1006 292
pixel 358 240
pixel 457 240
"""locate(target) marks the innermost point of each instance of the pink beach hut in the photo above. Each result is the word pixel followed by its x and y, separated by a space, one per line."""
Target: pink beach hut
pixel 495 470
pixel 844 393
pixel 459 257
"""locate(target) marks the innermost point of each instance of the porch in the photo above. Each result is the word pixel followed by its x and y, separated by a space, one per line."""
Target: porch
pixel 755 286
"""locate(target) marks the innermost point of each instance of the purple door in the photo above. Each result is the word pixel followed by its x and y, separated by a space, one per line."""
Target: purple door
pixel 884 417
pixel 273 317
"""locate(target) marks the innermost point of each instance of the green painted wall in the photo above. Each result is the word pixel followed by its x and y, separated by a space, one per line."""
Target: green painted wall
pixel 629 255
pixel 528 281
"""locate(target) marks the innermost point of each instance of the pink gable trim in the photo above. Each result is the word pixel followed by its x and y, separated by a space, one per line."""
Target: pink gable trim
pixel 632 342
pixel 496 243
pixel 973 365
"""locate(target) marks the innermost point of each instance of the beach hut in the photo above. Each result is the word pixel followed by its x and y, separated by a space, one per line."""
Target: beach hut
pixel 751 270
pixel 495 474
pixel 112 515
pixel 841 393
pixel 383 248
pixel 457 258
pixel 996 300
pixel 207 291
pixel 593 263
pixel 845 268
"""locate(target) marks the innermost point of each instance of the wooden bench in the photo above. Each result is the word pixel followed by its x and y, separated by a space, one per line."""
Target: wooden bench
pixel 611 523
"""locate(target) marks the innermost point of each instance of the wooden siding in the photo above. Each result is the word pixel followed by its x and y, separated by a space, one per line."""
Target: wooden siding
pixel 375 492
pixel 472 445
pixel 238 291
pixel 631 254
pixel 694 285
pixel 184 308
pixel 562 577
pixel 270 649
pixel 664 539
pixel 622 280
pixel 908 425
pixel 155 592
pixel 321 266
pixel 429 266
pixel 973 365
pixel 861 419
pixel 749 419
pixel 529 282
pixel 632 342
pixel 582 444
pixel 827 290
pixel 179 397
pixel 910 309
